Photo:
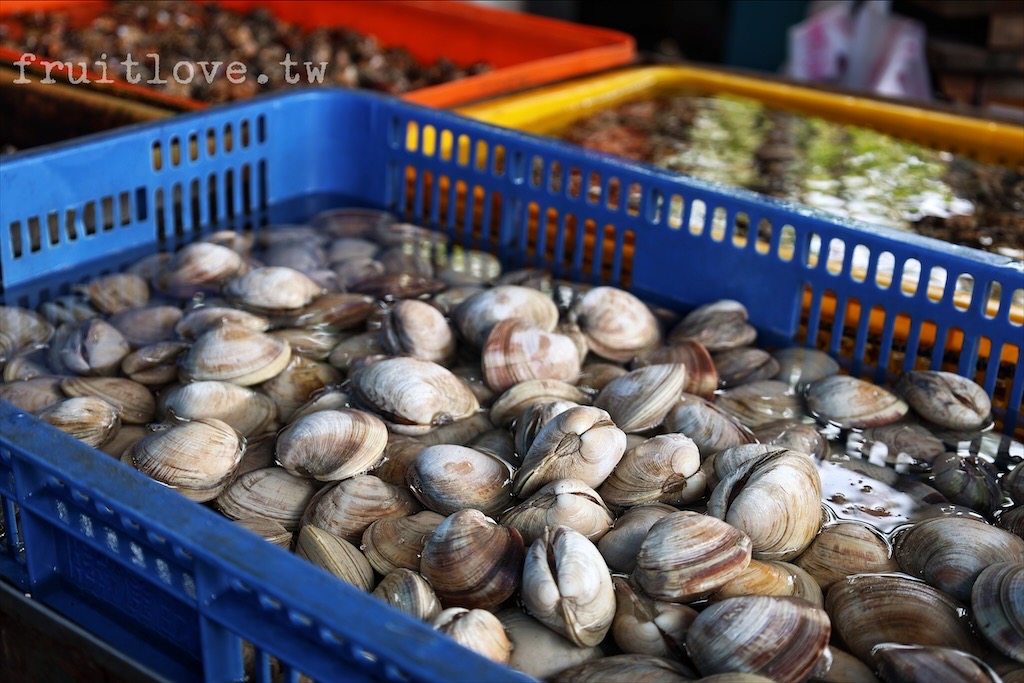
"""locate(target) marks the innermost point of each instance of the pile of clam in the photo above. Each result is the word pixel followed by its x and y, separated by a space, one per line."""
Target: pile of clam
pixel 559 477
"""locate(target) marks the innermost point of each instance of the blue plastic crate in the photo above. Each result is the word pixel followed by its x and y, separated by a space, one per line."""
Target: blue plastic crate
pixel 181 588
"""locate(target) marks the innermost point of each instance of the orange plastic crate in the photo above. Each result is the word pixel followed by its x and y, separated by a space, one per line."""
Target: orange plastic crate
pixel 525 50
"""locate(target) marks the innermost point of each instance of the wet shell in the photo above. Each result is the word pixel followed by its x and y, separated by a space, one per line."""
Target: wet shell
pixel 639 400
pixel 781 638
pixel 352 222
pixel 968 480
pixel 197 458
pixel 347 354
pixel 723 463
pixel 155 364
pixel 200 320
pixel 91 420
pixel 32 395
pixel 331 445
pixel 719 326
pixel 649 627
pixel 744 364
pixel 199 266
pixel 799 367
pixel 149 325
pixel 273 290
pixel 711 428
pixel 772 578
pixel 796 436
pixel 950 552
pixel 236 354
pixel 25 367
pixel 476 629
pixel 64 309
pixel 126 436
pixel 913 664
pixel 662 469
pixel 900 444
pixel 595 376
pixel 472 562
pixel 632 668
pixel 134 403
pixel 413 395
pixel 566 585
pixel 115 293
pixel 311 344
pixel 618 325
pixel 248 411
pixel 844 549
pixel 268 530
pixel 581 443
pixel 335 555
pixel 620 545
pixel 537 650
pixel 565 502
pixel 1013 520
pixel 517 350
pixel 348 507
pixel 997 602
pixel 466 267
pixel 327 399
pixel 268 493
pixel 407 591
pixel 301 379
pixel 871 609
pixel 389 286
pixel 533 420
pixel 397 542
pixel 94 347
pixel 844 668
pixel 349 249
pixel 946 399
pixel 475 316
pixel 775 500
pixel 701 374
pixel 417 329
pixel 852 403
pixel 511 405
pixel 21 330
pixel 686 556
pixel 447 478
pixel 336 311
pixel 398 457
pixel 756 404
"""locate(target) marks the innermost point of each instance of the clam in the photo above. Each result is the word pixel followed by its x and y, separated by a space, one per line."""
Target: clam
pixel 414 396
pixel 718 466
pixel 305 256
pixel 619 547
pixel 719 326
pixel 701 374
pixel 353 222
pixel 269 493
pixel 399 454
pixel 236 354
pixel 475 316
pixel 410 236
pixel 775 500
pixel 780 638
pixel 639 400
pixel 871 609
pixel 566 585
pixel 744 364
pixel 314 344
pixel 397 542
pixel 415 259
pixel 200 320
pixel 348 507
pixel 417 329
pixel 1012 484
pixel 32 395
pixel 756 404
pixel 852 403
pixel 899 443
pixel 997 602
pixel 950 552
pixel 111 294
pixel 916 664
pixel 662 469
pixel 93 347
pixel 197 458
pixel 126 436
pixel 473 377
pixel 71 309
pixel 844 549
pixel 389 286
pixel 468 267
pixel 134 403
pixel 517 350
pixel 457 433
pixel 472 562
pixel 771 577
pixel 300 379
pixel 799 366
pixel 25 367
pixel 533 420
pixel 565 502
pixel 594 377
pixel 349 352
pixel 711 428
pixel 352 273
pixel 1013 520
pixel 199 266
pixel 649 627
pixel 499 443
pixel 476 629
pixel 248 411
pixel 618 326
pixel 794 435
pixel 349 249
pixel 968 480
pixel 946 399
pixel 447 478
pixel 537 650
pixel 329 398
pixel 259 454
pixel 407 591
pixel 337 311
pixel 844 668
pixel 512 404
pixel 273 290
pixel 147 325
pixel 686 556
pixel 331 445
pixel 633 668
pixel 448 300
pixel 89 419
pixel 335 555
pixel 581 443
pixel 267 529
pixel 21 331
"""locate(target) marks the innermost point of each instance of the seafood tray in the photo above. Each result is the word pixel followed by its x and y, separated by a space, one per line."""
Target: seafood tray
pixel 188 593
pixel 523 50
